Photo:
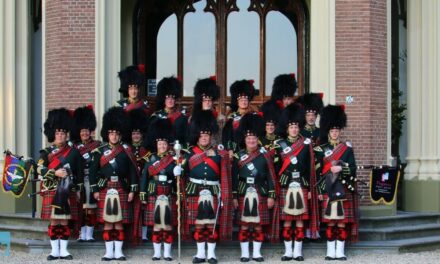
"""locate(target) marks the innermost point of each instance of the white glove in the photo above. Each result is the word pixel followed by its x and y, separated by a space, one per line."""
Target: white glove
pixel 177 170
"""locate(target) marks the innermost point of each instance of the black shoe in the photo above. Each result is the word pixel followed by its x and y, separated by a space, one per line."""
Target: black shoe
pixel 212 261
pixel 329 258
pixel 260 259
pixel 80 240
pixel 68 257
pixel 307 240
pixel 286 258
pixel 144 240
pixel 155 259
pixel 90 240
pixel 50 257
pixel 244 259
pixel 121 258
pixel 168 259
pixel 342 258
pixel 299 258
pixel 198 260
pixel 106 259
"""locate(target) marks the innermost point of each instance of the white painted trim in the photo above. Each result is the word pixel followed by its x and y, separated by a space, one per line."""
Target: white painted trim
pixel 99 61
pixel 43 69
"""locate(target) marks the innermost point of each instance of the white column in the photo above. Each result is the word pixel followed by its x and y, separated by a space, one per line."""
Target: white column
pixel 389 82
pixel 322 49
pixel 423 83
pixel 414 85
pixel 107 54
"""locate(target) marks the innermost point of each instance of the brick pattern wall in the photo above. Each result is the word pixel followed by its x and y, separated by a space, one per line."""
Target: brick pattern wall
pixel 70 53
pixel 361 71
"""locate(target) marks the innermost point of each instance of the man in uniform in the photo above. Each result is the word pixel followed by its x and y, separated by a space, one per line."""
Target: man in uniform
pixel 336 168
pixel 169 89
pixel 114 181
pixel 61 169
pixel 253 187
pixel 207 188
pixel 132 79
pixel 312 103
pixel 271 112
pixel 283 89
pixel 81 135
pixel 296 177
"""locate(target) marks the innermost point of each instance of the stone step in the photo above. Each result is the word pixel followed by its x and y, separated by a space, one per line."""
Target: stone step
pixel 397 233
pixel 401 219
pixel 26 232
pixel 22 219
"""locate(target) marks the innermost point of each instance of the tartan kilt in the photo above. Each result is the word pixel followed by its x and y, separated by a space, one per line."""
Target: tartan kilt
pixel 287 217
pixel 191 208
pixel 127 210
pixel 348 209
pixel 263 210
pixel 148 212
pixel 46 208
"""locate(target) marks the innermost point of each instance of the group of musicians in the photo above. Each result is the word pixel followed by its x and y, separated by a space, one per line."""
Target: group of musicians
pixel 276 175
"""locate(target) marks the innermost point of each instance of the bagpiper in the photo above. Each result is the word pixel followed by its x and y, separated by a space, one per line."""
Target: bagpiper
pixel 271 111
pixel 114 181
pixel 61 169
pixel 296 177
pixel 284 89
pixel 158 188
pixel 242 93
pixel 253 187
pixel 207 197
pixel 169 90
pixel 84 126
pixel 336 169
pixel 132 78
pixel 312 103
pixel 139 122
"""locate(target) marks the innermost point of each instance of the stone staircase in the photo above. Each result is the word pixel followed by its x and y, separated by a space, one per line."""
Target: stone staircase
pixel 404 232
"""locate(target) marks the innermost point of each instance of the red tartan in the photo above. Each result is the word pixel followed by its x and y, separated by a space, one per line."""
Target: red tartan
pixel 287 217
pixel 191 206
pixel 348 210
pixel 127 210
pixel 149 207
pixel 46 208
pixel 263 211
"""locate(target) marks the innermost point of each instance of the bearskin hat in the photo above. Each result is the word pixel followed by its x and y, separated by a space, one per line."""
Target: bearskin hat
pixel 312 102
pixel 129 76
pixel 332 116
pixel 57 119
pixel 271 111
pixel 167 86
pixel 116 119
pixel 241 88
pixel 83 118
pixel 293 113
pixel 202 122
pixel 284 85
pixel 205 88
pixel 159 129
pixel 138 120
pixel 250 124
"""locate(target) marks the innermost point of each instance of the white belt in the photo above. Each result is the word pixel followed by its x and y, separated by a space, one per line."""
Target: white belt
pixel 114 178
pixel 204 182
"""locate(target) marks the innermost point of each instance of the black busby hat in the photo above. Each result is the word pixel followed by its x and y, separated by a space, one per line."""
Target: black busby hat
pixel 57 119
pixel 284 85
pixel 250 124
pixel 202 122
pixel 138 120
pixel 332 116
pixel 168 86
pixel 84 118
pixel 292 114
pixel 129 76
pixel 312 102
pixel 160 129
pixel 116 119
pixel 205 88
pixel 239 89
pixel 271 111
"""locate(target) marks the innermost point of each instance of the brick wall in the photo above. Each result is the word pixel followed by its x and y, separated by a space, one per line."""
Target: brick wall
pixel 361 71
pixel 70 53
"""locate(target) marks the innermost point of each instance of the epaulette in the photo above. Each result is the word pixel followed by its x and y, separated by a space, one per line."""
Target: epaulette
pixel 263 150
pixel 307 141
pixel 126 146
pixel 348 143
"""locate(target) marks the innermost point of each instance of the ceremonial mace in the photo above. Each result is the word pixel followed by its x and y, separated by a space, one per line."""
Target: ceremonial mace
pixel 177 149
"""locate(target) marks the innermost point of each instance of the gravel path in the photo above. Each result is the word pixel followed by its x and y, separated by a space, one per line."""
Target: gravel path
pixel 427 257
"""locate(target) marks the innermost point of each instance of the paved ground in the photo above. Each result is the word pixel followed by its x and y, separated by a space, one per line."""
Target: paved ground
pixel 428 257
